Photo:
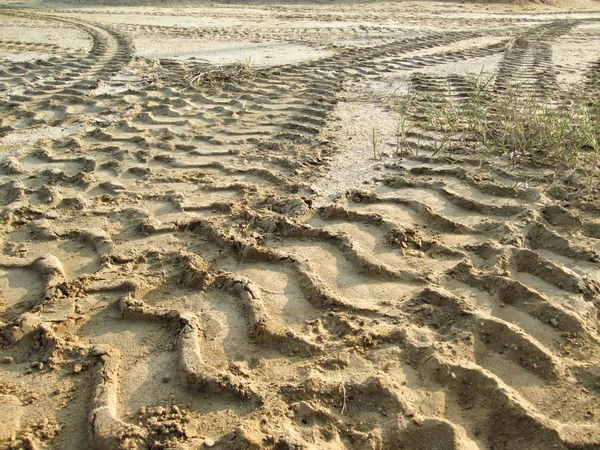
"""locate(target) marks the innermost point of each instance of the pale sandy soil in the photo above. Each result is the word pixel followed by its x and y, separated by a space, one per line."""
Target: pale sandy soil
pixel 199 250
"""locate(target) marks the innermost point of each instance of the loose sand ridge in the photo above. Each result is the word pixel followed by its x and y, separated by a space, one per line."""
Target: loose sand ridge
pixel 198 247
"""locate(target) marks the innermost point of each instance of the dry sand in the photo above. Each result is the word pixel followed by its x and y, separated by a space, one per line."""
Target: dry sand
pixel 196 255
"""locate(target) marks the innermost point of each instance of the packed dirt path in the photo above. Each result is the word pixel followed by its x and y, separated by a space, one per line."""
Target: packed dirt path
pixel 199 248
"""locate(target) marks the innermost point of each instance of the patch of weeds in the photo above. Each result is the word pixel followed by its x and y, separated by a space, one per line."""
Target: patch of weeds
pixel 222 74
pixel 513 122
pixel 520 123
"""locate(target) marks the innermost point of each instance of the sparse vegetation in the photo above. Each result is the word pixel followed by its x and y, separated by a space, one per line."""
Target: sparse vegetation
pixel 510 120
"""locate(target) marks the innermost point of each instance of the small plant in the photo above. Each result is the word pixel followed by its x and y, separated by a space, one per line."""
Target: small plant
pixel 374 143
pixel 403 126
pixel 247 65
pixel 441 121
pixel 402 145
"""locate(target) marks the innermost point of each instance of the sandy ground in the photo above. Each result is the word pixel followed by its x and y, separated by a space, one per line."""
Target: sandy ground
pixel 198 249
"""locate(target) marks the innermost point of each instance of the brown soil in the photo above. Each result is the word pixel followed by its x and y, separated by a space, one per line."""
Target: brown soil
pixel 200 250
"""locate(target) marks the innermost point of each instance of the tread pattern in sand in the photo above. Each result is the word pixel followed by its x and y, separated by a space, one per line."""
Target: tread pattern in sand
pixel 170 276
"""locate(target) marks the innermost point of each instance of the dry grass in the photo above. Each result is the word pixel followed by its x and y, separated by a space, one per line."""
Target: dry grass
pixel 221 74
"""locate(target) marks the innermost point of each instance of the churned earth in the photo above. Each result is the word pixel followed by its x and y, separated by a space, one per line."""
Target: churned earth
pixel 209 237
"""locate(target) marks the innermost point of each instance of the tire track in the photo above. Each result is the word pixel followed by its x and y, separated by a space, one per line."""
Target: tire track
pixel 529 61
pixel 168 259
pixel 71 81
